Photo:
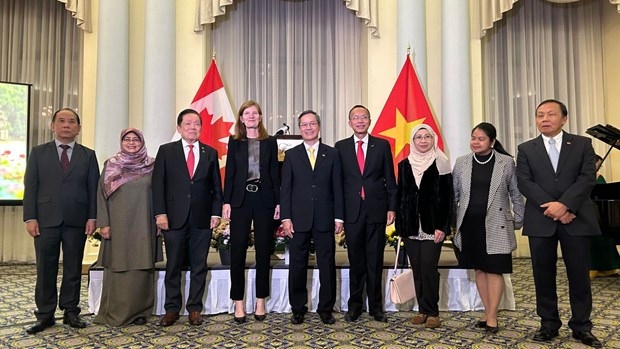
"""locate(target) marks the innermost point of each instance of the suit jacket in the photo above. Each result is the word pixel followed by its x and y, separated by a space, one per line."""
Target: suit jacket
pixel 378 179
pixel 52 197
pixel 571 185
pixel 500 223
pixel 177 195
pixel 312 198
pixel 237 172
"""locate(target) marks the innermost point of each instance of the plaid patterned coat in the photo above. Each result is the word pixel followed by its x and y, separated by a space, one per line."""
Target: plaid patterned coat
pixel 501 219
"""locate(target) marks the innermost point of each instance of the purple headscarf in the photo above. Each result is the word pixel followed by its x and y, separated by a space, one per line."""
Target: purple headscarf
pixel 125 167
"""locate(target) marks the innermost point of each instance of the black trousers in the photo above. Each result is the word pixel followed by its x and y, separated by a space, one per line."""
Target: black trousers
pixel 252 209
pixel 365 248
pixel 47 248
pixel 424 257
pixel 195 242
pixel 298 270
pixel 576 255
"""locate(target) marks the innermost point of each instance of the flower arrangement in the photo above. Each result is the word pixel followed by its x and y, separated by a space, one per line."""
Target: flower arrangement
pixel 391 238
pixel 341 240
pixel 280 241
pixel 95 238
pixel 220 240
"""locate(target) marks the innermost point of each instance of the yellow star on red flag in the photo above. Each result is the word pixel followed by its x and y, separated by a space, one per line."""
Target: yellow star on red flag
pixel 401 131
pixel 405 108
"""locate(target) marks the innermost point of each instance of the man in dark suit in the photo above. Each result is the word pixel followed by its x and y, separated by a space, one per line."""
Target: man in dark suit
pixel 370 204
pixel 60 208
pixel 555 172
pixel 187 204
pixel 312 208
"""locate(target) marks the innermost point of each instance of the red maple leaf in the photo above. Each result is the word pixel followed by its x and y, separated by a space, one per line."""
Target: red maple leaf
pixel 212 133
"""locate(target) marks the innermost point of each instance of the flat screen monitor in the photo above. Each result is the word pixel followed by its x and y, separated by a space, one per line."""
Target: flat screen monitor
pixel 14 123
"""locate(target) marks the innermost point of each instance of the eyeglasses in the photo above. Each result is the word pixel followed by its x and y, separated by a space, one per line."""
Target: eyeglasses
pixel 132 140
pixel 359 117
pixel 308 124
pixel 419 138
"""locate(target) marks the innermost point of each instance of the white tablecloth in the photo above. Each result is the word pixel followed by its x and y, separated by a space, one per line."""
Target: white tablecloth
pixel 457 291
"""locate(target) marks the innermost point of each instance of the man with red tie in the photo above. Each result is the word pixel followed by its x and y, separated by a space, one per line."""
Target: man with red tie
pixel 60 207
pixel 187 204
pixel 370 205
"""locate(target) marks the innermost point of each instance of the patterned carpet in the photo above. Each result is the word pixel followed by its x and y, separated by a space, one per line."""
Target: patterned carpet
pixel 219 331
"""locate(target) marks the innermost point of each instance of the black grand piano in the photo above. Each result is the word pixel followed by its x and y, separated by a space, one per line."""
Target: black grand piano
pixel 607 196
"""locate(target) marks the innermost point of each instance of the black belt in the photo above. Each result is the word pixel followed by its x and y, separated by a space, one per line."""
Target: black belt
pixel 252 186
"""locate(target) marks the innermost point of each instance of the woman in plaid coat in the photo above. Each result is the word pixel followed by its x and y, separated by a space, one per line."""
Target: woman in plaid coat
pixel 485 184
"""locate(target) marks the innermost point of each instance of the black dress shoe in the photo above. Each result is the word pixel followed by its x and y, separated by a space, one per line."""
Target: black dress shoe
pixel 545 335
pixel 352 316
pixel 327 318
pixel 260 317
pixel 297 318
pixel 40 325
pixel 73 320
pixel 240 319
pixel 481 324
pixel 587 338
pixel 140 320
pixel 380 316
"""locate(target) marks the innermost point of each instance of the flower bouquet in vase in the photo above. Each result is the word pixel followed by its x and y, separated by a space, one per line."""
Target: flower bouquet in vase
pixel 391 239
pixel 280 244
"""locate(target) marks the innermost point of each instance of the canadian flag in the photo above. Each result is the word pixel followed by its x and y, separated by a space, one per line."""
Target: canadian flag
pixel 216 113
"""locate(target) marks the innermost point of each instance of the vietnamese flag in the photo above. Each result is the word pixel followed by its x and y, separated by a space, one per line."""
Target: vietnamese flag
pixel 405 108
pixel 216 113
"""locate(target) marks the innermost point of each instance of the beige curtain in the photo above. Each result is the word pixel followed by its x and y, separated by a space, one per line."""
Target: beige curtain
pixel 541 51
pixel 291 56
pixel 492 11
pixel 80 10
pixel 40 45
pixel 207 10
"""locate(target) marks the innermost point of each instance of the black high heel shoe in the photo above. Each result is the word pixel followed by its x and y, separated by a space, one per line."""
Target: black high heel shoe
pixel 260 317
pixel 240 319
pixel 481 324
pixel 492 329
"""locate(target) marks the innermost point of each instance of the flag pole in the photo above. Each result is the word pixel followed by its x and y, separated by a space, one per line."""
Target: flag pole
pixel 214 54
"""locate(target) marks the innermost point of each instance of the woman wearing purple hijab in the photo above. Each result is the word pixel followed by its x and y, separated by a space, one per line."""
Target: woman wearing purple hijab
pixel 129 247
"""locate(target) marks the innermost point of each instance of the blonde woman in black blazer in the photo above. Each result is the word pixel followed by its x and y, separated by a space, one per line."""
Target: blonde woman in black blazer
pixel 485 184
pixel 251 194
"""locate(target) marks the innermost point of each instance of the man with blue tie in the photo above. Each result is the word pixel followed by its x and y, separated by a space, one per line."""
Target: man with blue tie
pixel 556 173
pixel 60 208
pixel 311 207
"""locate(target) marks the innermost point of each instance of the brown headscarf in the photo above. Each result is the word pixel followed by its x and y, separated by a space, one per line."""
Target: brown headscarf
pixel 421 161
pixel 125 167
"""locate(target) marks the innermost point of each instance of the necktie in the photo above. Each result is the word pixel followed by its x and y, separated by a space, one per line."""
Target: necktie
pixel 311 157
pixel 190 161
pixel 360 161
pixel 64 158
pixel 554 155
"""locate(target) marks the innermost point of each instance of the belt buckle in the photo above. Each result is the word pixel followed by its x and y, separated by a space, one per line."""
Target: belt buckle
pixel 252 188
